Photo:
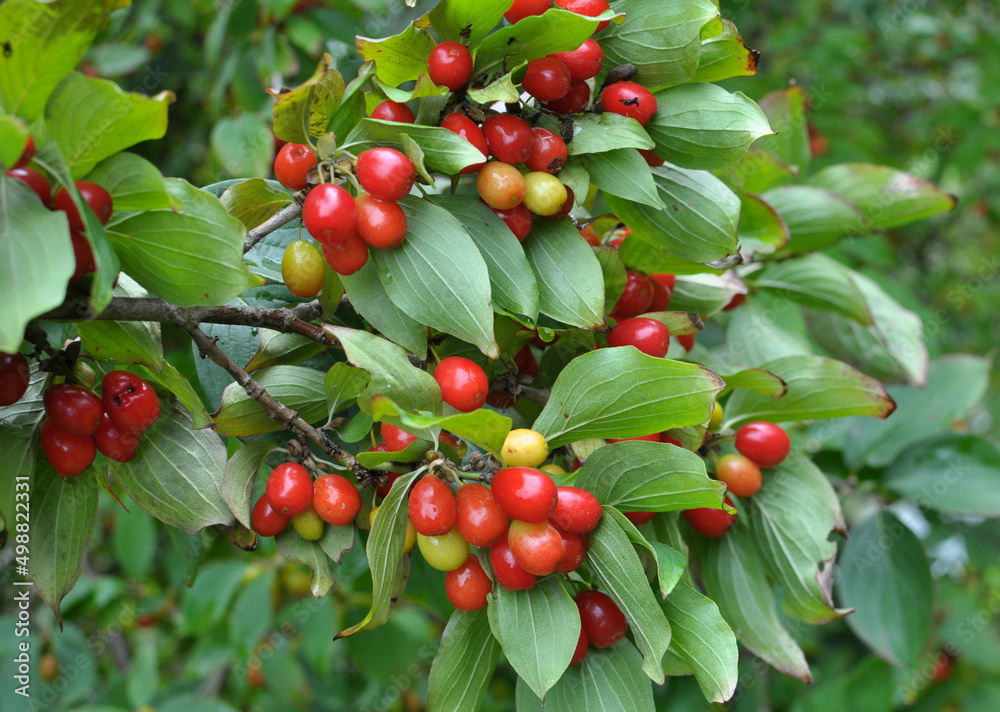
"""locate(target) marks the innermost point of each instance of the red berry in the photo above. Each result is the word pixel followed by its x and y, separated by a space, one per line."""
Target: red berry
pixel 661 295
pixel 629 99
pixel 335 499
pixel 69 453
pixel 450 65
pixel 736 301
pixel 347 257
pixel 601 618
pixel 289 489
pixel 73 408
pixel 14 377
pixel 480 520
pixel 264 520
pixel 396 439
pixel 639 518
pixel 510 138
pixel 765 443
pixel 329 214
pixel 687 341
pixel 114 443
pixel 648 335
pixel 576 552
pixel 525 8
pixel 547 79
pixel 577 510
pixel 432 507
pixel 589 8
pixel 507 572
pixel 667 280
pixel 469 130
pixel 585 62
pixel 129 401
pixel 391 478
pixel 27 154
pixel 292 164
pixel 525 362
pixel 519 219
pixel 549 153
pixel 581 648
pixel 740 473
pixel 381 223
pixel 83 256
pixel 567 206
pixel 537 548
pixel 709 521
pixel 468 586
pixel 651 159
pixel 463 383
pixel 390 110
pixel 385 173
pixel 93 195
pixel 34 180
pixel 636 298
pixel 524 493
pixel 574 102
pixel 652 437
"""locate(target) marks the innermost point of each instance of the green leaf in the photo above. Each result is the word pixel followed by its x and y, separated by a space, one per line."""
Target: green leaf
pixel 485 428
pixel 787 113
pixel 735 578
pixel 317 555
pixel 467 21
pixel 252 616
pixel 136 342
pixel 414 452
pixel 726 55
pixel 297 387
pixel 503 89
pixel 252 202
pixel 13 140
pixel 343 385
pixel 818 387
pixel 278 349
pixel 699 222
pixel 512 282
pixel 37 260
pixel 678 323
pixel 47 44
pixel 885 576
pixel 171 379
pixel 134 542
pixel 618 572
pixel 887 197
pixel 767 327
pixel 605 132
pixel 400 58
pixel 575 177
pixel 241 471
pixel 133 182
pixel 615 277
pixel 352 104
pixel 702 126
pixel 703 638
pixel 306 110
pixel 952 473
pixel 654 259
pixel 193 256
pixel 761 171
pixel 242 146
pixel 706 294
pixel 177 474
pixel 92 119
pixel 369 299
pixel 662 40
pixel 668 562
pixel 623 393
pixel 791 519
pixel 623 173
pixel 761 229
pixel 815 281
pixel 438 277
pixel 816 217
pixel 464 663
pixel 641 476
pixel 569 277
pixel 206 602
pixel 444 151
pixel 64 516
pixel 538 630
pixel 756 379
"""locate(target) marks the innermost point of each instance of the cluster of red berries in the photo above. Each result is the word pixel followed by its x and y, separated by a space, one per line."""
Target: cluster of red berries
pixel 94 195
pixel 291 494
pixel 80 423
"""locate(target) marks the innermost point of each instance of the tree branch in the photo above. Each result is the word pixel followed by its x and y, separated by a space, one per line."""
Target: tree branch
pixel 282 217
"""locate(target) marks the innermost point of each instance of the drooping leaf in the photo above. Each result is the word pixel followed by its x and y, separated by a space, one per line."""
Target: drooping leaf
pixel 569 277
pixel 369 299
pixel 816 281
pixel 482 427
pixel 241 470
pixel 133 182
pixel 317 555
pixel 668 562
pixel 254 201
pixel 816 217
pixel 761 228
pixel 297 387
pixel 756 379
pixel 464 663
pixel 400 58
pixel 343 385
pixel 306 111
pixel 725 55
pixel 279 349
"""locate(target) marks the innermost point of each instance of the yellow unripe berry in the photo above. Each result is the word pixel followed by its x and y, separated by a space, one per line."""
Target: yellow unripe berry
pixel 302 269
pixel 309 525
pixel 411 533
pixel 552 469
pixel 544 194
pixel 524 448
pixel 717 416
pixel 446 552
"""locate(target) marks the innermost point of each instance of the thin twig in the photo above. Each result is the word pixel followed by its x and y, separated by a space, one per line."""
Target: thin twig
pixel 282 217
pixel 539 395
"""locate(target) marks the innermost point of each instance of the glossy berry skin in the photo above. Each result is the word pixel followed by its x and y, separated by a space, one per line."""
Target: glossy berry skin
pixel 765 443
pixel 629 99
pixel 525 8
pixel 83 256
pixel 575 552
pixel 113 443
pixel 566 208
pixel 667 280
pixel 479 519
pixel 289 489
pixel 661 296
pixel 636 298
pixel 601 618
pixel 718 414
pixel 537 548
pixel 507 572
pixel 14 377
pixel 469 130
pixel 308 525
pixel 27 154
pixel 381 223
pixel 501 186
pixel 395 439
pixel 526 365
pixel 510 138
pixel 736 301
pixel 639 518
pixel 347 257
pixel 648 335
pixel 264 520
pixel 73 408
pixel 740 473
pixel 302 269
pixel 463 383
pixel 544 194
pixel 519 219
pixel 129 401
pixel 574 102
pixel 390 110
pixel 432 507
pixel 292 164
pixel 335 499
pixel 94 195
pixel 329 214
pixel 549 153
pixel 651 159
pixel 577 510
pixel 590 8
pixel 468 586
pixel 710 522
pixel 547 79
pixel 69 453
pixel 524 493
pixel 450 65
pixel 524 447
pixel 582 645
pixel 385 173
pixel 34 180
pixel 444 553
pixel 585 62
